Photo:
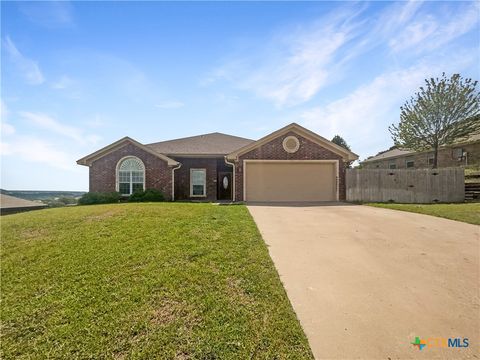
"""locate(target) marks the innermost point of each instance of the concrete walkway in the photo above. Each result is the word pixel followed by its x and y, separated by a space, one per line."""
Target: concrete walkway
pixel 366 281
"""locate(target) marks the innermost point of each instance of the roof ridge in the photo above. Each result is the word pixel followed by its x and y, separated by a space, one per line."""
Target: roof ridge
pixel 197 136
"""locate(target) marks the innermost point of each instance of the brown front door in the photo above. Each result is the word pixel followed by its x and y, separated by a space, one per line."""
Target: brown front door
pixel 224 186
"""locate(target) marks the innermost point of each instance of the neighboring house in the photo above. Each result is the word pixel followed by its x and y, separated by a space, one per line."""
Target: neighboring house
pixel 291 164
pixel 461 154
pixel 10 205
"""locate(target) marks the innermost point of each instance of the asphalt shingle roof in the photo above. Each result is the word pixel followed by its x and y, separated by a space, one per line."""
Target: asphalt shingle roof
pixel 208 144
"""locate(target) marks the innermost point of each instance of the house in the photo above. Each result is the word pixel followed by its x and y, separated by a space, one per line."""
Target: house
pixel 290 164
pixel 465 153
pixel 11 205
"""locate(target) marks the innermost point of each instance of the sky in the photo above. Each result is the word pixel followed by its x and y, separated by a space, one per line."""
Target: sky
pixel 77 76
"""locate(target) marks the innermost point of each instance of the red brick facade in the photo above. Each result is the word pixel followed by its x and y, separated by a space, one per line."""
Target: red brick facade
pixel 158 175
pixel 273 150
pixel 182 176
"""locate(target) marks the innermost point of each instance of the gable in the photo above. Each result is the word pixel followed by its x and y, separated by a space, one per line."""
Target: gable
pixel 304 133
pixel 89 159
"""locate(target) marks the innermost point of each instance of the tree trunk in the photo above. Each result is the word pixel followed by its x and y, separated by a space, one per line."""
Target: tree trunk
pixel 435 157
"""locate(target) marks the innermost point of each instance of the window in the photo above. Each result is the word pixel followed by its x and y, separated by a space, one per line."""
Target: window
pixel 430 160
pixel 457 154
pixel 130 175
pixel 409 163
pixel 198 181
pixel 392 165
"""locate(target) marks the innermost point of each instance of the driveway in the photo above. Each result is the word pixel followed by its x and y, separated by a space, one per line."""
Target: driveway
pixel 366 281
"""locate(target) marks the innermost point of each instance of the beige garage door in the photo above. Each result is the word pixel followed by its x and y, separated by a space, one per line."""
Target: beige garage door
pixel 290 181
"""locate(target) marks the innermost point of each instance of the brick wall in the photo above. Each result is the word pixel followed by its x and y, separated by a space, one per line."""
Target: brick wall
pixel 182 177
pixel 273 150
pixel 158 175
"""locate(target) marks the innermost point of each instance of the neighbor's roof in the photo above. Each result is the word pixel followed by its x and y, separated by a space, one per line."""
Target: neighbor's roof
pixel 208 144
pixel 400 152
pixel 11 202
pixel 389 154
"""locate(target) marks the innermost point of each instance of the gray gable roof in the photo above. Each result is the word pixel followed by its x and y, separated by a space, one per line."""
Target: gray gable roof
pixel 399 152
pixel 208 144
pixel 389 154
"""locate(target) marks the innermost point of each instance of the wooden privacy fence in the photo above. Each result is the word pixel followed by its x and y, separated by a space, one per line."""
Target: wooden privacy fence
pixel 406 186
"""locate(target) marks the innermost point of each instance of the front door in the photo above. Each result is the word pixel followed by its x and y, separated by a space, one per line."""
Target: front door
pixel 224 186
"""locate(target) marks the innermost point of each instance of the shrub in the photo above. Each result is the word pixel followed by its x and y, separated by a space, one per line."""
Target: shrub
pixel 91 198
pixel 149 195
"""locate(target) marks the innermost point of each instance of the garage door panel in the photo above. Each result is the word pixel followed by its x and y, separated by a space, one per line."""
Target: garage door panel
pixel 290 181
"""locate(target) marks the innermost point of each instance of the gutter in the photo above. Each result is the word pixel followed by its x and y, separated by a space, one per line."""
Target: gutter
pixel 233 177
pixel 173 179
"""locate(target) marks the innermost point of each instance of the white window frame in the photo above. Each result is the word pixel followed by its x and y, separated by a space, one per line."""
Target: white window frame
pixel 392 163
pixel 117 175
pixel 204 182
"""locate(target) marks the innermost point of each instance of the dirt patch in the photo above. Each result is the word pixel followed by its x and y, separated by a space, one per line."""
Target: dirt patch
pixel 170 311
pixel 28 234
pixel 101 217
pixel 237 293
pixel 182 356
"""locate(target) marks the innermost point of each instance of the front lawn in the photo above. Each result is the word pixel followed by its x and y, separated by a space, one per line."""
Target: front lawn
pixel 167 281
pixel 468 212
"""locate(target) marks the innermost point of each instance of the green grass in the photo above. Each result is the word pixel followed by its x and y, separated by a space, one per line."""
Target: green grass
pixel 167 281
pixel 472 174
pixel 468 212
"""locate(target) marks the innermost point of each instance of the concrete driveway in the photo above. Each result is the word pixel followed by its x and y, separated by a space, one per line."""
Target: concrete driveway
pixel 365 281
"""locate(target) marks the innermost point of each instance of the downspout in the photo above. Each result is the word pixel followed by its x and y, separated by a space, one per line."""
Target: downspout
pixel 233 177
pixel 173 180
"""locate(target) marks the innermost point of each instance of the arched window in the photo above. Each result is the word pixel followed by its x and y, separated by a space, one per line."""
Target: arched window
pixel 130 175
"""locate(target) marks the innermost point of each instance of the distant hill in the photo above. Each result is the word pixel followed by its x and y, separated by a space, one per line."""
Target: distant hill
pixel 42 195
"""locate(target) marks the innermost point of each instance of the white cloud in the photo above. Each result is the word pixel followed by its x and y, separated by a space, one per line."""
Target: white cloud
pixel 51 14
pixel 5 127
pixel 173 104
pixel 428 32
pixel 52 125
pixel 28 68
pixel 3 110
pixel 62 83
pixel 291 67
pixel 363 116
pixel 33 149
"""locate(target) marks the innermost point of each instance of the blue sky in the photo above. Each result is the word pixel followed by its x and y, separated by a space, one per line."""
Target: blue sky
pixel 76 76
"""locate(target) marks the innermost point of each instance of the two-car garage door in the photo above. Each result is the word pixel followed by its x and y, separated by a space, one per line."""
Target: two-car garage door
pixel 294 180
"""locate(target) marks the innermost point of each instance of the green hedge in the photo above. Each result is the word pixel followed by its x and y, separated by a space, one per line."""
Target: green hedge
pixel 91 198
pixel 149 195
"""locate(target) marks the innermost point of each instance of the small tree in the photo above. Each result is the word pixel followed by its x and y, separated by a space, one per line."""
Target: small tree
pixel 445 111
pixel 337 139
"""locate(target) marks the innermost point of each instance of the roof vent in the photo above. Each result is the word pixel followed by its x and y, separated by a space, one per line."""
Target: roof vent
pixel 291 144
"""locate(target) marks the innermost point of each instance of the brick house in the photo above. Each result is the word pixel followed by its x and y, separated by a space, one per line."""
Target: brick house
pixel 465 153
pixel 291 164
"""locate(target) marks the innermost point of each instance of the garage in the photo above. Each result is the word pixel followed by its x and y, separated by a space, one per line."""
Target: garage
pixel 290 180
